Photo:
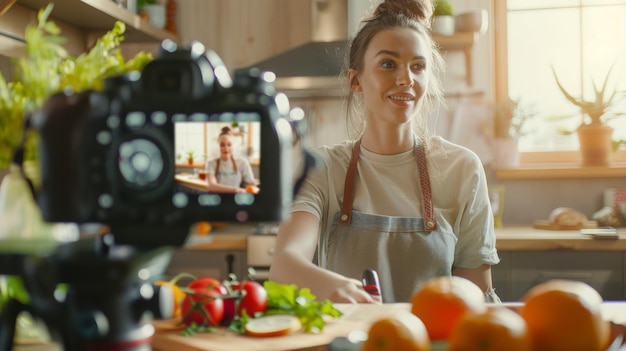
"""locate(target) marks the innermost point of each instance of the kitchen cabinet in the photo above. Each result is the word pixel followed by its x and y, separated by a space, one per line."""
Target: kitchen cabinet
pixel 520 270
pixel 81 22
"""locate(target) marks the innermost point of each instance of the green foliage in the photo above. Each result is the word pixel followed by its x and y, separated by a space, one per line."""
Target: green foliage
pixel 288 299
pixel 598 110
pixel 510 118
pixel 47 68
pixel 141 3
pixel 443 8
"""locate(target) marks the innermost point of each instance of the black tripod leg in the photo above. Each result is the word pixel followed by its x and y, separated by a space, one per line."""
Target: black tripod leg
pixel 8 318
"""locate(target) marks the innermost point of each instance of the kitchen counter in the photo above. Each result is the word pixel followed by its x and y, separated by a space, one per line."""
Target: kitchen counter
pixel 518 238
pixel 356 317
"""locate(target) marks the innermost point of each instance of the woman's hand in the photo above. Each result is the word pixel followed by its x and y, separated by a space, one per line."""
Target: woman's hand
pixel 346 290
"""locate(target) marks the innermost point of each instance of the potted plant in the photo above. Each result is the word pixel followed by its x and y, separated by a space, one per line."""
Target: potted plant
pixel 510 117
pixel 190 156
pixel 594 135
pixel 443 18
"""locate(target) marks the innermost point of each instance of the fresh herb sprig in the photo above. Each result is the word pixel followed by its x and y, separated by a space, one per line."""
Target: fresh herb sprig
pixel 288 299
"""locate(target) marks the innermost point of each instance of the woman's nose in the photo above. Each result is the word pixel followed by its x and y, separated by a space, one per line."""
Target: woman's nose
pixel 404 77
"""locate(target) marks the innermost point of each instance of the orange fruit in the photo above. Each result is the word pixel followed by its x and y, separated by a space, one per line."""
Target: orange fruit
pixel 252 189
pixel 565 315
pixel 400 331
pixel 442 301
pixel 497 328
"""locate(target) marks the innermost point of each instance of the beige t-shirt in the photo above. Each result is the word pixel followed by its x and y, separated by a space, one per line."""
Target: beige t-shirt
pixel 389 185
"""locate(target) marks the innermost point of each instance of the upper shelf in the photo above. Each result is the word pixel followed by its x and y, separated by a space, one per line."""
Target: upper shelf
pixel 99 16
pixel 457 41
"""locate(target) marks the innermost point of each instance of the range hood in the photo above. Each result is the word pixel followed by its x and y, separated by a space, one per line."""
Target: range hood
pixel 313 69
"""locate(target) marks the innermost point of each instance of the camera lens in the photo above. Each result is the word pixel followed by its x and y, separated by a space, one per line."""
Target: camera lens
pixel 140 162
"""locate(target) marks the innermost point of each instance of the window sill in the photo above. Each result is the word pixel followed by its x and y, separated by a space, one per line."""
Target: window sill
pixel 564 170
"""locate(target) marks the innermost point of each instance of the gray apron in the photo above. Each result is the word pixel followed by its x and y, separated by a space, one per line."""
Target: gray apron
pixel 405 251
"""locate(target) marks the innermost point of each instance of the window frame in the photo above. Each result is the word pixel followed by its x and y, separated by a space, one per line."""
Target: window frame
pixel 544 160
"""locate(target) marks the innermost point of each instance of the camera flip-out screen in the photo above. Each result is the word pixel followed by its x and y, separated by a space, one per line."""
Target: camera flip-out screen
pixel 227 154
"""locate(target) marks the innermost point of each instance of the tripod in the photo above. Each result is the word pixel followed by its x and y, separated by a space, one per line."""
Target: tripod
pixel 91 294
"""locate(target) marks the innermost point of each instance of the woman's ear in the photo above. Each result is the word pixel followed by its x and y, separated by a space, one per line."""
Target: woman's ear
pixel 353 79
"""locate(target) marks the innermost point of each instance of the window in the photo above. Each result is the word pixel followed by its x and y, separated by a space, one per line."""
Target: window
pixel 582 40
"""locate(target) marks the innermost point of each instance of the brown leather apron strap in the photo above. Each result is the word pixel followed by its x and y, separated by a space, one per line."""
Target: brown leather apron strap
pixel 428 215
pixel 217 164
pixel 430 223
pixel 348 188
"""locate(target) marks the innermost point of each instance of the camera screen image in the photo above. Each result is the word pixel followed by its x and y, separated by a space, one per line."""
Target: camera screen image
pixel 226 153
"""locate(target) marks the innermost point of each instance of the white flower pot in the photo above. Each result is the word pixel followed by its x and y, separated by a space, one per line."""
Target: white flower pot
pixel 156 14
pixel 443 25
pixel 506 154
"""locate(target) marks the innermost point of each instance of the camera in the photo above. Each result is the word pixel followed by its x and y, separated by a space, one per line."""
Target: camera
pixel 111 156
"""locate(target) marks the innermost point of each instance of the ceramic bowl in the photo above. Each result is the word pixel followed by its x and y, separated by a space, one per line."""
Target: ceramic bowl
pixel 472 21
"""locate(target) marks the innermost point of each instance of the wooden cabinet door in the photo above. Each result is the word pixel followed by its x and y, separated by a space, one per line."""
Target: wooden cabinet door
pixel 243 32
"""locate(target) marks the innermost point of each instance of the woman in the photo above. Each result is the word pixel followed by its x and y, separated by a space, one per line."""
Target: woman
pixel 227 174
pixel 370 206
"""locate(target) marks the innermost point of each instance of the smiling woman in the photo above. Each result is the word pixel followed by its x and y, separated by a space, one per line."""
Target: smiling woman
pixel 395 196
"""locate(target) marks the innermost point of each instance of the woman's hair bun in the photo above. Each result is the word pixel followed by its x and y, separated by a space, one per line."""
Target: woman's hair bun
pixel 418 10
pixel 225 130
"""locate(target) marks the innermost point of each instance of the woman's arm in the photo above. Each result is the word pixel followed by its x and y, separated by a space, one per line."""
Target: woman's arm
pixel 215 187
pixel 481 276
pixel 292 263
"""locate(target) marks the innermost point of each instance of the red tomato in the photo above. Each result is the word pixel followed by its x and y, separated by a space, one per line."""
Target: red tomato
pixel 253 299
pixel 204 309
pixel 208 283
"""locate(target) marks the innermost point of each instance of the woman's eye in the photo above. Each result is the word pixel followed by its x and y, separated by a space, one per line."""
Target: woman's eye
pixel 419 66
pixel 386 64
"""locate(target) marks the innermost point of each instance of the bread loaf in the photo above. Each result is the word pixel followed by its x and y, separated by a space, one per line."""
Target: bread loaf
pixel 565 216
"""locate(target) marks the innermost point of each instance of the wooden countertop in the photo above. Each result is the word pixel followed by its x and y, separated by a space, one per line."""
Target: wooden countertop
pixel 356 317
pixel 518 238
pixel 527 238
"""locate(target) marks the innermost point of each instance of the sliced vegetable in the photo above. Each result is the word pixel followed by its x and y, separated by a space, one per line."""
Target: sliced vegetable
pixel 274 325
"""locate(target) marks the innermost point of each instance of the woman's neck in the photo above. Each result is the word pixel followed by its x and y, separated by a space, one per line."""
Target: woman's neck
pixel 387 141
pixel 225 157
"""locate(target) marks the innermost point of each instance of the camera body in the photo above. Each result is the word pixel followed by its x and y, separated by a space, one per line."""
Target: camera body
pixel 110 156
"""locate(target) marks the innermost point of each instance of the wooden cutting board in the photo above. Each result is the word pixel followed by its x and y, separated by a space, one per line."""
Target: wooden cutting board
pixel 551 226
pixel 355 317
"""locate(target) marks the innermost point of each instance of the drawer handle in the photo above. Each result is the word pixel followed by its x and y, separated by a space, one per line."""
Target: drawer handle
pixel 270 251
pixel 570 275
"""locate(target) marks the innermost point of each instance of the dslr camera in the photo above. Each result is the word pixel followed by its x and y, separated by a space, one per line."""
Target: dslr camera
pixel 111 156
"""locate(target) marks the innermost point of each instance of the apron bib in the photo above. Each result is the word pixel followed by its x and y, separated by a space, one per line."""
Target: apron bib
pixel 405 251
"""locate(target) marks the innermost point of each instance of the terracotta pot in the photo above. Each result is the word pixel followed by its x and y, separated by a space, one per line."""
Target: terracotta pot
pixel 595 145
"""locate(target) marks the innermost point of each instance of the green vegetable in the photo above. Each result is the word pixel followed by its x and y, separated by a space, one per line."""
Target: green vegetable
pixel 47 68
pixel 288 299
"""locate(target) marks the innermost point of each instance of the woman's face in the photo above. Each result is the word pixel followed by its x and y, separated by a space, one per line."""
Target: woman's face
pixel 226 145
pixel 394 76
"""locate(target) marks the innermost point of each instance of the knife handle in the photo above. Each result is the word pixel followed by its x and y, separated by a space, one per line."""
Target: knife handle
pixel 370 282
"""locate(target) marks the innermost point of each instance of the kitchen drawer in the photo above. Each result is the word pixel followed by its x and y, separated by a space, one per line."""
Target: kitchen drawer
pixel 260 250
pixel 603 270
pixel 214 263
